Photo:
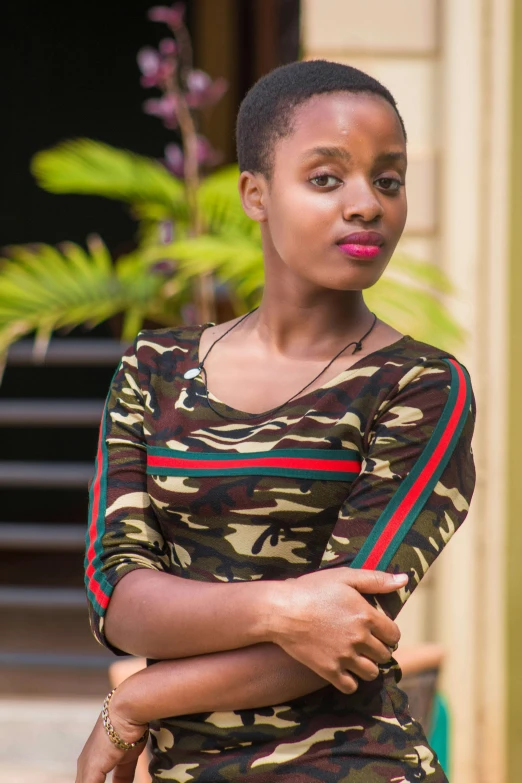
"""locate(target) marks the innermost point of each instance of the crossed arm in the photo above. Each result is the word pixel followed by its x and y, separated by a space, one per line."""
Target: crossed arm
pixel 253 644
pixel 231 654
pixel 257 675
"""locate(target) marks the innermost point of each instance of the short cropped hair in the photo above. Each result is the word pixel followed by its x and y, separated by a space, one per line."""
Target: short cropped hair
pixel 266 113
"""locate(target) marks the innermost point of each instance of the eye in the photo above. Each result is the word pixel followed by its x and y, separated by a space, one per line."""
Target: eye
pixel 391 185
pixel 325 181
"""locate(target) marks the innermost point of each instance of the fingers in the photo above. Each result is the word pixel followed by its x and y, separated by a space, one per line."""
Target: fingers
pixel 345 683
pixel 375 650
pixel 90 776
pixel 372 582
pixel 89 772
pixel 384 629
pixel 363 667
pixel 124 772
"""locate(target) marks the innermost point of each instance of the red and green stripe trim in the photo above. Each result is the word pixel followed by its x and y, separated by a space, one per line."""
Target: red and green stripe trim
pixel 98 587
pixel 336 465
pixel 409 500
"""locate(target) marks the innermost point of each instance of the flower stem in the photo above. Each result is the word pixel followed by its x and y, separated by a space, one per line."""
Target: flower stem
pixel 204 293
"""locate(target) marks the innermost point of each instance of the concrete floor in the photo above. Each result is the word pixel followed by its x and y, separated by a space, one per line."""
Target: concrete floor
pixel 42 738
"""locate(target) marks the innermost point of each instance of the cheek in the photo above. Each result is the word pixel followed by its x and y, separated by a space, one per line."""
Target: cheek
pixel 299 219
pixel 398 210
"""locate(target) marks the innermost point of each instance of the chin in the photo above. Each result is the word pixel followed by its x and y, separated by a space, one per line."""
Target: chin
pixel 361 279
pixel 350 276
pixel 352 282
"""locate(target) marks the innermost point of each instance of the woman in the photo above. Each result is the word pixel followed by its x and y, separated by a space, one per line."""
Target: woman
pixel 241 464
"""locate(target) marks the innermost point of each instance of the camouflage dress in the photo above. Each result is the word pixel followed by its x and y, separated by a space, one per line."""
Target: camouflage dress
pixel 372 470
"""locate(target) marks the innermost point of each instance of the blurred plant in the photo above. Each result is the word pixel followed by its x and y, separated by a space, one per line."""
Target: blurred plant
pixel 183 90
pixel 193 236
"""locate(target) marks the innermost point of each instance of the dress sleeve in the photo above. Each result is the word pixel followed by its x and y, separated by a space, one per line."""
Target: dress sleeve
pixel 123 533
pixel 416 480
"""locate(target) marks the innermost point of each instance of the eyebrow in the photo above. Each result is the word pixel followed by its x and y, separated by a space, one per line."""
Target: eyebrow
pixel 340 152
pixel 328 152
pixel 392 156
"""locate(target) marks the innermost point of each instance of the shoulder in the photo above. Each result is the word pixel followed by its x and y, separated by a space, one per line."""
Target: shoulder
pixel 409 366
pixel 163 352
pixel 178 342
pixel 411 349
pixel 412 358
pixel 425 376
pixel 171 338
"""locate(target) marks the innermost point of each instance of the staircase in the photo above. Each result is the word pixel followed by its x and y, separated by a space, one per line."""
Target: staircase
pixel 49 418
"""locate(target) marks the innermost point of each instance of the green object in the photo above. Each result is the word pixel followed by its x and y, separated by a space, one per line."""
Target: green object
pixel 440 728
pixel 43 288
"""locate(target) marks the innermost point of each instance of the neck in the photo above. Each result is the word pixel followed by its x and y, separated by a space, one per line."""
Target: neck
pixel 298 322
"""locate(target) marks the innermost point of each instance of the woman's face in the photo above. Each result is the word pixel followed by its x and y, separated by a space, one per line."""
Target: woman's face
pixel 340 172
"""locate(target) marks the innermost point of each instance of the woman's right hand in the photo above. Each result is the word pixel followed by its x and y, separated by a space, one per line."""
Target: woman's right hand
pixel 322 620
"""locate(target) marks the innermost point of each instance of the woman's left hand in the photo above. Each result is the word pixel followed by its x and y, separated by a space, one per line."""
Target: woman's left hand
pixel 100 756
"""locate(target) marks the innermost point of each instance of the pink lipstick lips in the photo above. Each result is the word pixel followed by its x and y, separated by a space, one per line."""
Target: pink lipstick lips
pixel 362 244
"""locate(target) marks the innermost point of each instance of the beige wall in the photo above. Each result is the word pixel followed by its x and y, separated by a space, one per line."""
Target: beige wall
pixel 448 65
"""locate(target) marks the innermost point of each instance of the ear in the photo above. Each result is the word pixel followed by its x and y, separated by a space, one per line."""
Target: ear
pixel 253 191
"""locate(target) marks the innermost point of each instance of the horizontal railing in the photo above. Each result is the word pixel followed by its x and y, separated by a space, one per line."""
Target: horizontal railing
pixel 50 413
pixel 68 351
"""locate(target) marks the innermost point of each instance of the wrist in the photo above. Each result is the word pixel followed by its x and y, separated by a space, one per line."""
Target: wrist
pixel 122 713
pixel 274 609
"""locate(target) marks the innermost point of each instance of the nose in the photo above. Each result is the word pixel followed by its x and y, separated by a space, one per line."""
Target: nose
pixel 361 201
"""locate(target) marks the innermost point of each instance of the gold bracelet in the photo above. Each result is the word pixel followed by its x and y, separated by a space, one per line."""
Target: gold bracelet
pixel 109 728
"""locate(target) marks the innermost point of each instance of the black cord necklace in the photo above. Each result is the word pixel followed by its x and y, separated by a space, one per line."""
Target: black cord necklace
pixel 195 371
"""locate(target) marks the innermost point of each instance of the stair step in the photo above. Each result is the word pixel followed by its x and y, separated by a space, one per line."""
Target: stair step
pixel 25 535
pixel 42 597
pixel 49 413
pixel 68 352
pixel 46 474
pixel 46 645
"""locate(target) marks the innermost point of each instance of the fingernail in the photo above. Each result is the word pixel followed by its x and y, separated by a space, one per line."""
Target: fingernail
pixel 400 578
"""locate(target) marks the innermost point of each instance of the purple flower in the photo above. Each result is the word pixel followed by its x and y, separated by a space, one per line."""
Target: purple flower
pixel 168 47
pixel 149 63
pixel 207 156
pixel 202 90
pixel 163 268
pixel 172 16
pixel 166 232
pixel 156 69
pixel 198 81
pixel 165 108
pixel 174 159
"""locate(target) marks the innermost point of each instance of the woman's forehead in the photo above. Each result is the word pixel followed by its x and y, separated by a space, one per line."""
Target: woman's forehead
pixel 345 120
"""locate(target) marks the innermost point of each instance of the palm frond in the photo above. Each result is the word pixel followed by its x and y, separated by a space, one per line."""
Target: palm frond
pixel 235 260
pixel 91 167
pixel 220 205
pixel 43 288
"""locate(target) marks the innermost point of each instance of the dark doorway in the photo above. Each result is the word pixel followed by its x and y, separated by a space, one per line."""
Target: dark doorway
pixel 69 73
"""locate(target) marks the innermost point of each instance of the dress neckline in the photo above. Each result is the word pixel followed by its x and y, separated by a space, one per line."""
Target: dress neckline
pixel 341 377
